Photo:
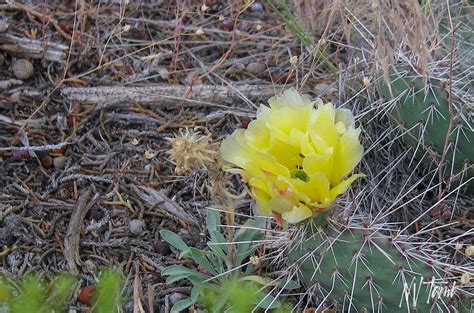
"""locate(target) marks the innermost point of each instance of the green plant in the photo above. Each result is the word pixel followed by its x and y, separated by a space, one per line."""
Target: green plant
pixel 224 269
pixel 229 293
pixel 364 269
pixel 437 129
pixel 33 294
pixel 360 269
pixel 107 294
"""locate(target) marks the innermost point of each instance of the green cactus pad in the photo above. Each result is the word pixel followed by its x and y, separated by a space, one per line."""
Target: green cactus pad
pixel 366 271
pixel 422 110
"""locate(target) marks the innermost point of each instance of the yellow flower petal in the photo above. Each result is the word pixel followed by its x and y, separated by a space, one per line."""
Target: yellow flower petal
pixel 347 155
pixel 262 199
pixel 298 214
pixel 257 135
pixel 319 163
pixel 345 116
pixel 234 149
pixel 342 187
pixel 291 98
pixel 295 156
pixel 281 204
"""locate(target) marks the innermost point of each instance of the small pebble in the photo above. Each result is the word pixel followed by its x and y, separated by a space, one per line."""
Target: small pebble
pixel 14 259
pixel 85 294
pixel 46 161
pixel 59 162
pixel 89 267
pixel 175 297
pixel 161 247
pixel 256 68
pixel 22 69
pixel 227 24
pixel 136 226
pixel 256 7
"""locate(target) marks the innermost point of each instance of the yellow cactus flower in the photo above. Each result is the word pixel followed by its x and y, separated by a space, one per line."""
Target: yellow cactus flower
pixel 295 157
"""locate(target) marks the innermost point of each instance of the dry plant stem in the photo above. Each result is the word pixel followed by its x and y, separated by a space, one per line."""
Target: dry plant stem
pixel 201 95
pixel 156 198
pixel 229 216
pixel 33 48
pixel 71 241
pixel 441 191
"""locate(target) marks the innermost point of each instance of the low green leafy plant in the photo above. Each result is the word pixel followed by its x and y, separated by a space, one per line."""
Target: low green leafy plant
pixel 225 279
pixel 34 294
pixel 107 295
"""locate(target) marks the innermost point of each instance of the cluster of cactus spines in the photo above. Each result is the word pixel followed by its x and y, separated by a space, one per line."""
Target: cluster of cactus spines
pixel 362 270
pixel 437 132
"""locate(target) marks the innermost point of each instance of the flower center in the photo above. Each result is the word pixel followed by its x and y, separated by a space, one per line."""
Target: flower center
pixel 301 175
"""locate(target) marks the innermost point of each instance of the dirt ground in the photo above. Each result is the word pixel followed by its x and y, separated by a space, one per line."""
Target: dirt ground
pixel 86 176
pixel 80 164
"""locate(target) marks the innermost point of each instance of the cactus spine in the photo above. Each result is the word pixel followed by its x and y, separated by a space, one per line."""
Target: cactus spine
pixel 366 271
pixel 422 111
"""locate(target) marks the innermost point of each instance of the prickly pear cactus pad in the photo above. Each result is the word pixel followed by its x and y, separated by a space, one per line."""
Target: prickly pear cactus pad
pixel 364 270
pixel 297 156
pixel 422 111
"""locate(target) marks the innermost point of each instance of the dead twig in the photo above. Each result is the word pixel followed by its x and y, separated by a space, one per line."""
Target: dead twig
pixel 71 241
pixel 154 198
pixel 163 94
pixel 33 48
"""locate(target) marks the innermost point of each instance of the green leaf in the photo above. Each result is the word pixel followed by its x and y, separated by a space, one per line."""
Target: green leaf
pixel 181 305
pixel 196 291
pixel 174 240
pixel 252 231
pixel 289 285
pixel 194 278
pixel 177 270
pixel 255 278
pixel 213 220
pixel 269 302
pixel 217 237
pixel 201 258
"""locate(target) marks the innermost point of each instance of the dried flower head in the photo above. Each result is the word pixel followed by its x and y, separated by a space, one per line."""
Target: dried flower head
pixel 191 151
pixel 295 157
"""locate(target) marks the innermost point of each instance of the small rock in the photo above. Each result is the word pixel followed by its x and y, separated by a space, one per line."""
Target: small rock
pixel 227 24
pixel 59 162
pixel 161 247
pixel 46 161
pixel 256 7
pixel 85 294
pixel 22 69
pixel 136 226
pixel 175 297
pixel 256 68
pixel 14 259
pixel 89 267
pixel 15 97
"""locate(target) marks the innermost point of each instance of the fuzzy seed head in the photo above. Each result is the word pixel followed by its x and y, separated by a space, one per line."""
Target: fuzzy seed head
pixel 191 151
